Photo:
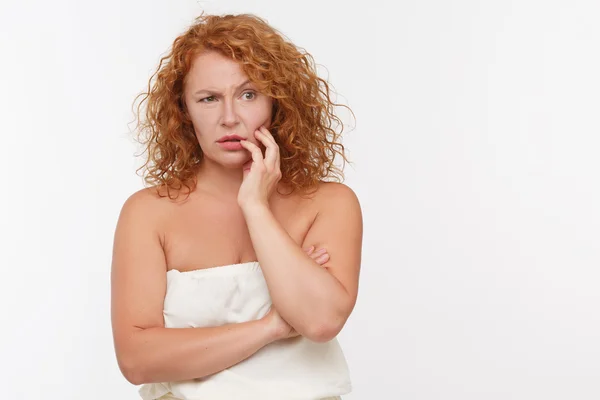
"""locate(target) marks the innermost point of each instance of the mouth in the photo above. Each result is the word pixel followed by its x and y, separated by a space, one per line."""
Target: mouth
pixel 230 138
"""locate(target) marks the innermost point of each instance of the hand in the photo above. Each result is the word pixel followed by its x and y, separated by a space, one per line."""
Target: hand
pixel 278 328
pixel 320 256
pixel 260 175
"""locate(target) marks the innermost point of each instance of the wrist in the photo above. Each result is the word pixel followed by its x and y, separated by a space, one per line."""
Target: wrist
pixel 254 208
pixel 270 332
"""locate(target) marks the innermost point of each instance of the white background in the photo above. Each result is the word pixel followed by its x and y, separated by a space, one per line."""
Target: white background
pixel 476 160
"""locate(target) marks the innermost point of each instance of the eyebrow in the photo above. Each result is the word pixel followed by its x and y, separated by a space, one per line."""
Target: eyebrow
pixel 209 90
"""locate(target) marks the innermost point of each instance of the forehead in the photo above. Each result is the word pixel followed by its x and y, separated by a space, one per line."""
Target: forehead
pixel 214 69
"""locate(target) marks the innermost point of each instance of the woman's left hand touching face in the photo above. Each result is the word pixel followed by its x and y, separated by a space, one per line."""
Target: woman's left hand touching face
pixel 261 175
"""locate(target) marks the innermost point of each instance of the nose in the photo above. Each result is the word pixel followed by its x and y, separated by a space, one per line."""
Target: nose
pixel 230 117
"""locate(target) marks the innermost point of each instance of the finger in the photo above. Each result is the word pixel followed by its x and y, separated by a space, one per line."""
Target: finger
pixel 317 254
pixel 314 255
pixel 272 149
pixel 267 134
pixel 254 151
pixel 251 147
pixel 322 259
pixel 309 250
pixel 270 136
pixel 321 251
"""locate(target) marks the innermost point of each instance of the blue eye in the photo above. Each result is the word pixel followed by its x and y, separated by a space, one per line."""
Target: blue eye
pixel 252 93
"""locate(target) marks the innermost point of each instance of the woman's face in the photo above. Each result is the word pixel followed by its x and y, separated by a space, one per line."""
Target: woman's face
pixel 221 101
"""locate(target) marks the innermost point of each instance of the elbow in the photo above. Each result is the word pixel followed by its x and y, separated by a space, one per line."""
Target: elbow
pixel 132 360
pixel 131 371
pixel 327 327
pixel 325 331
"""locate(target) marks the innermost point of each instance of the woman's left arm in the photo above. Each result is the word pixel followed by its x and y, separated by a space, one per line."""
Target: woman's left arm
pixel 316 300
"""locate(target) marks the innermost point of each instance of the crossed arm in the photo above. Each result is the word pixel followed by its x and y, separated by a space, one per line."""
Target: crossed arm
pixel 315 300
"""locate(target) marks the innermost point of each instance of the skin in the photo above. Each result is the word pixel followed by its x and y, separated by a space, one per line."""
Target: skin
pixel 217 106
pixel 234 215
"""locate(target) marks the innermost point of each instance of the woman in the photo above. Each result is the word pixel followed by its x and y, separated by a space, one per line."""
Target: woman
pixel 217 292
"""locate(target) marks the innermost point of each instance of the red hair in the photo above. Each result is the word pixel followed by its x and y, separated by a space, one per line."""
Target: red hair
pixel 303 112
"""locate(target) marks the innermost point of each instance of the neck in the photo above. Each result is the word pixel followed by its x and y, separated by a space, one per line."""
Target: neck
pixel 218 180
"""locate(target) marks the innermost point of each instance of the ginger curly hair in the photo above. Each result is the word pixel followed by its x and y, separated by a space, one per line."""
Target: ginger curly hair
pixel 303 112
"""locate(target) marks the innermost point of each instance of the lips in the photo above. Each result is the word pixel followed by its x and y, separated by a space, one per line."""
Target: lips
pixel 230 138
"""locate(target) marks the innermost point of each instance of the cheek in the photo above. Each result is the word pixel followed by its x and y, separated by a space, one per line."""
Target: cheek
pixel 257 115
pixel 202 120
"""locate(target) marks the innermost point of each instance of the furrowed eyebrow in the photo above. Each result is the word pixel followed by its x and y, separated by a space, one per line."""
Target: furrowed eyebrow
pixel 212 91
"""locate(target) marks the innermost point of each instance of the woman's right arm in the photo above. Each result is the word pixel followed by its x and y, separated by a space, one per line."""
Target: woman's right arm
pixel 147 351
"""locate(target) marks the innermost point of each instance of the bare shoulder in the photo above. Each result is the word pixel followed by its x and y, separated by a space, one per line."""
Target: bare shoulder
pixel 137 225
pixel 332 195
pixel 145 208
pixel 338 218
pixel 146 197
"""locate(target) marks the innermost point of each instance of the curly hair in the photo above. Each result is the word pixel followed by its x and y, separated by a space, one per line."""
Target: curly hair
pixel 303 122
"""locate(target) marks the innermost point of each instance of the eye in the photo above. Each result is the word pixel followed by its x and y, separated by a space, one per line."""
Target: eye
pixel 253 95
pixel 207 99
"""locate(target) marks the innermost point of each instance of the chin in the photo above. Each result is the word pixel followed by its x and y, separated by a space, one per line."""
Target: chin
pixel 232 160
